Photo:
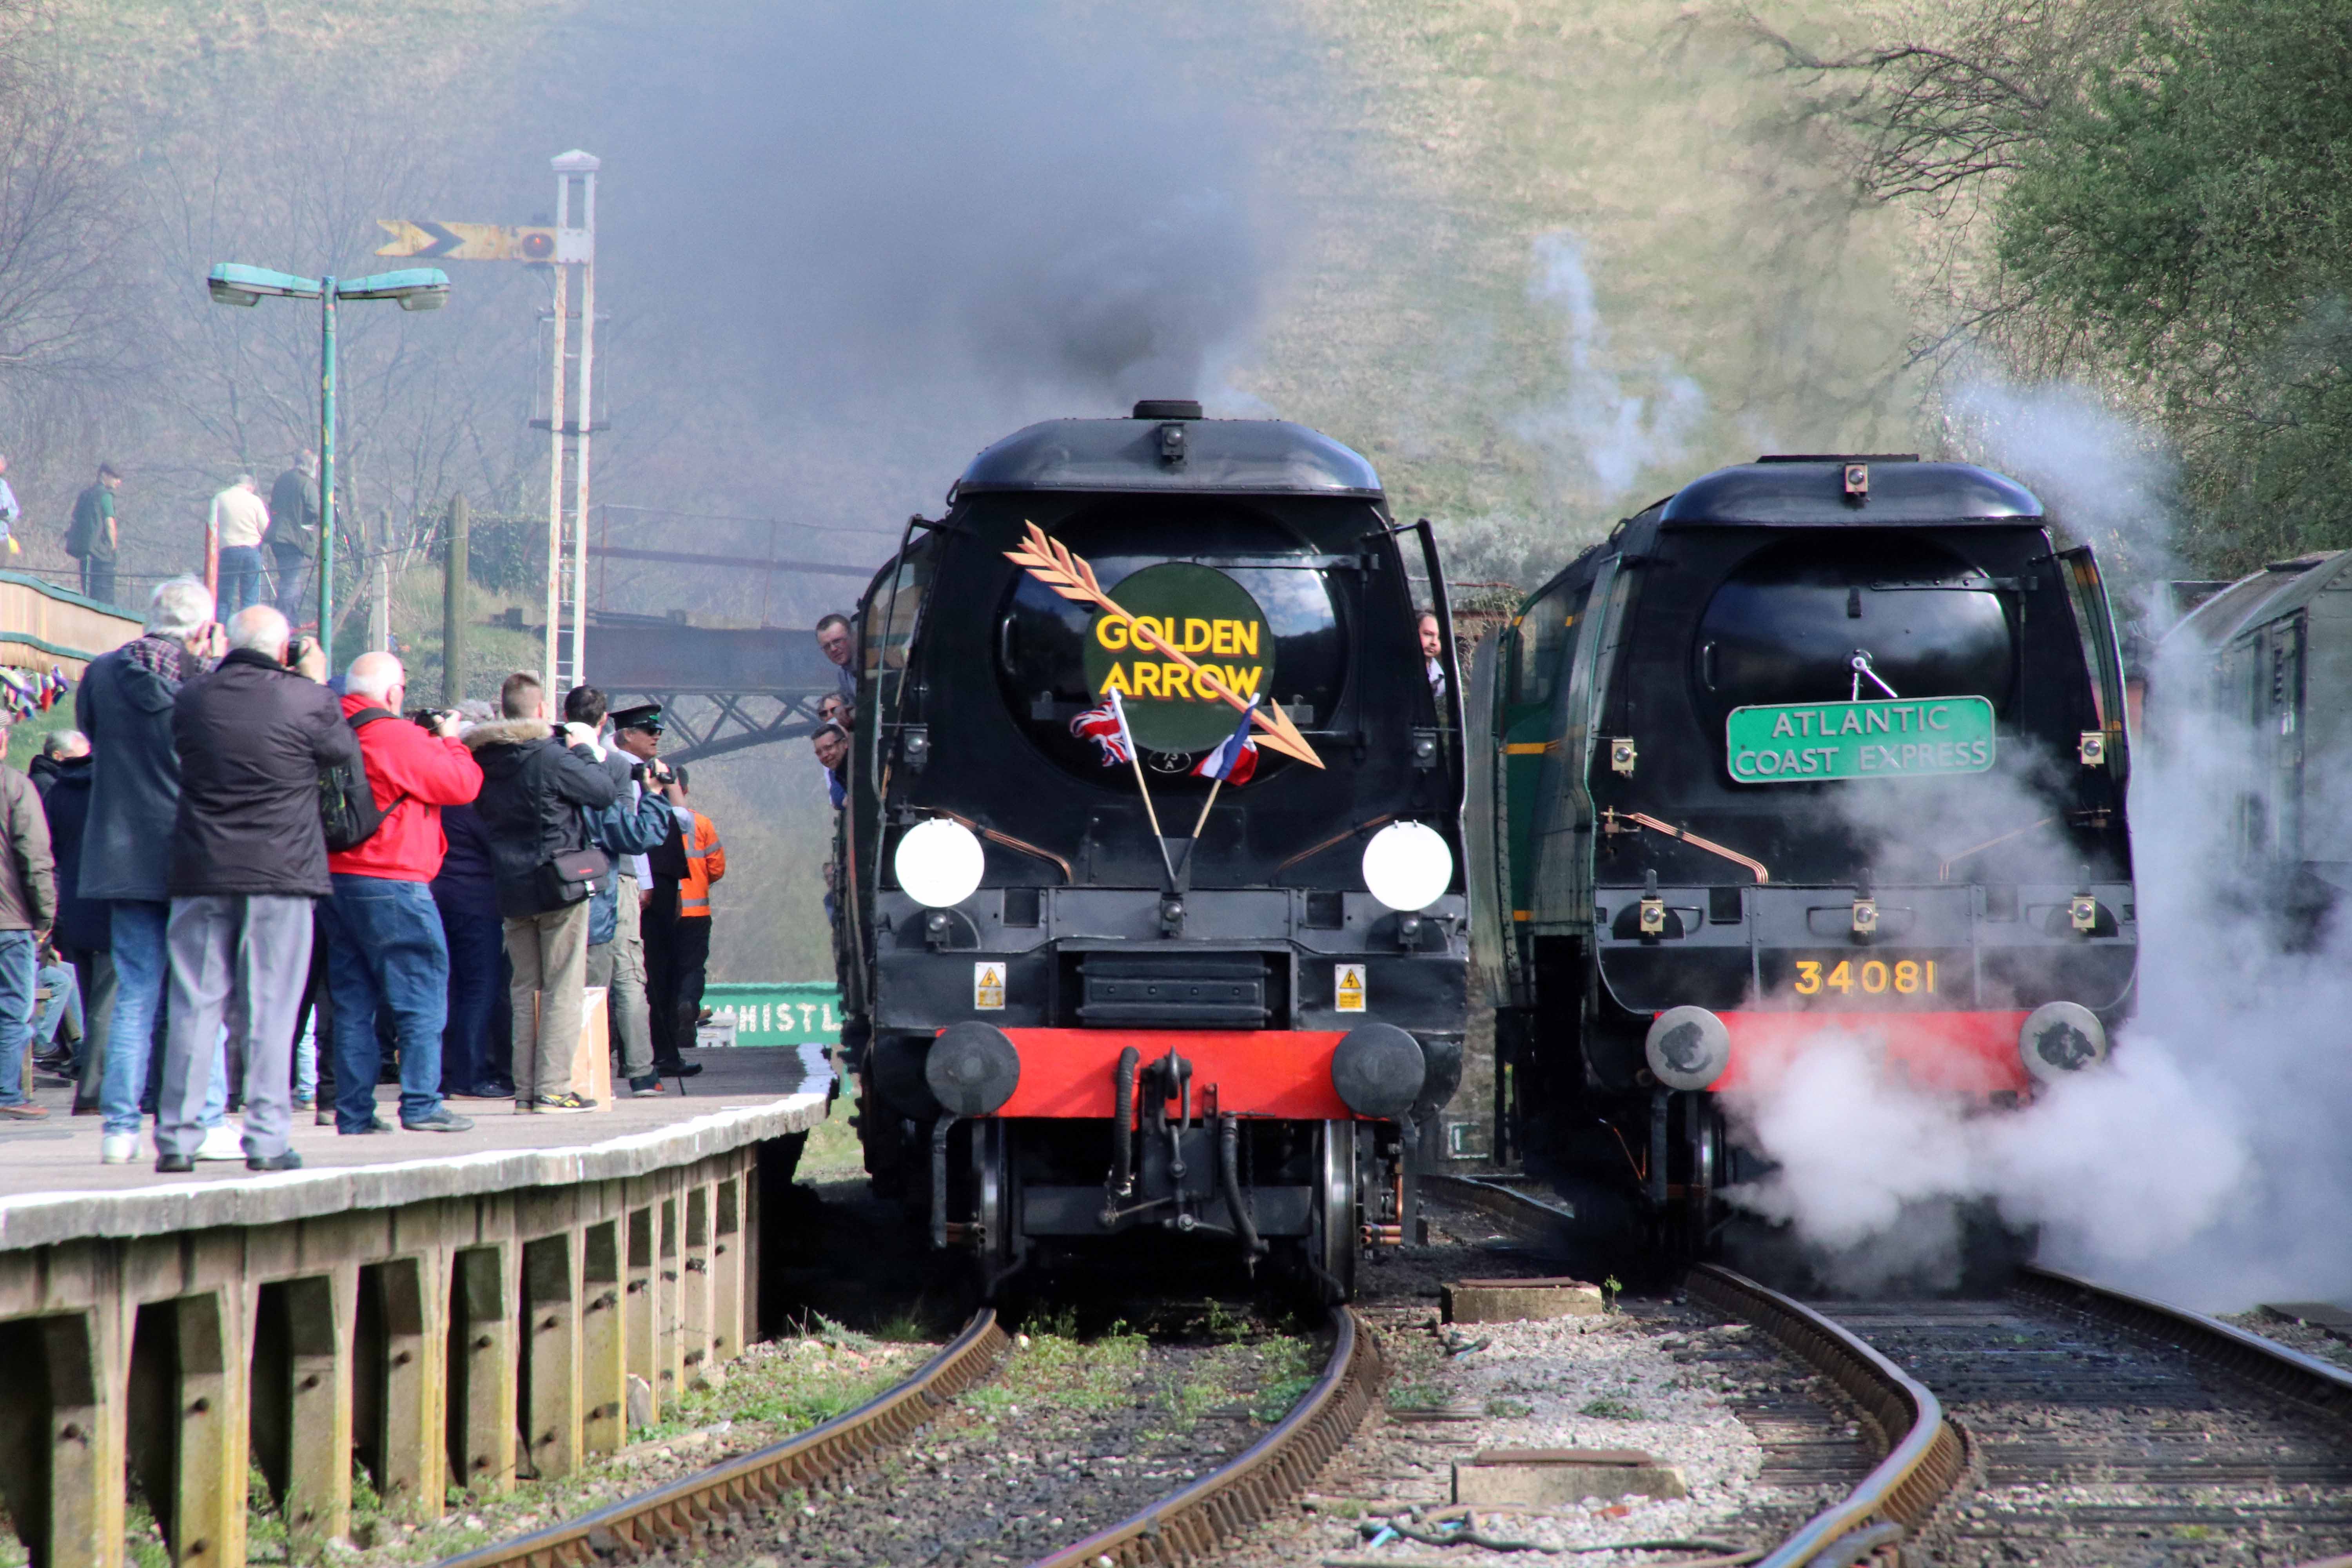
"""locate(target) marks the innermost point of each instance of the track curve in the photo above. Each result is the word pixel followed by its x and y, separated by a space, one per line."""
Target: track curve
pixel 806 1460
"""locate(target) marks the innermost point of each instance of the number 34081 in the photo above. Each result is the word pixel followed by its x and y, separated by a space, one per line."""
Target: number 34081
pixel 1908 977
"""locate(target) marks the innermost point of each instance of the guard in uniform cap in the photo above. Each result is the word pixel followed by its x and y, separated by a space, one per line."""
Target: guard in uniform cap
pixel 645 716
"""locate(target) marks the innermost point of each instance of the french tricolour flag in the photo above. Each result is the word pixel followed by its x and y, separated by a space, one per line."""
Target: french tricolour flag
pixel 1234 758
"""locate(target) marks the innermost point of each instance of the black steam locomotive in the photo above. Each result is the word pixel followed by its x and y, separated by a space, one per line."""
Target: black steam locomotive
pixel 1153 916
pixel 1815 747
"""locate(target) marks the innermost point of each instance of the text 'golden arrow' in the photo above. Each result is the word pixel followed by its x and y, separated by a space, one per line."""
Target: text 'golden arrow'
pixel 1051 563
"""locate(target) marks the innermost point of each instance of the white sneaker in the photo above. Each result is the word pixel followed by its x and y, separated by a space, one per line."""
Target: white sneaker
pixel 118 1148
pixel 225 1142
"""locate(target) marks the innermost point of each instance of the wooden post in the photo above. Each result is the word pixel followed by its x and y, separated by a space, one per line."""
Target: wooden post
pixel 481 1371
pixel 698 1364
pixel 641 1311
pixel 727 1335
pixel 603 1372
pixel 298 1403
pixel 550 1392
pixel 669 1265
pixel 457 546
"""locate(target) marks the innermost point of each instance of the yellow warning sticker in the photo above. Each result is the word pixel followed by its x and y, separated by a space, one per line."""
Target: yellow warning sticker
pixel 1348 986
pixel 988 984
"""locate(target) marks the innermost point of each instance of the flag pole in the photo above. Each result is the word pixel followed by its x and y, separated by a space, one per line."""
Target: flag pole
pixel 1218 783
pixel 1134 755
pixel 1214 785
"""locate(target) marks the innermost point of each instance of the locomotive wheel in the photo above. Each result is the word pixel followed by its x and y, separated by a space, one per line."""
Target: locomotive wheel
pixel 992 1201
pixel 1335 1242
pixel 1702 1136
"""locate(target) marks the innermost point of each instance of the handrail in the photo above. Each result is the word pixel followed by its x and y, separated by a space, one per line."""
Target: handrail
pixel 1608 825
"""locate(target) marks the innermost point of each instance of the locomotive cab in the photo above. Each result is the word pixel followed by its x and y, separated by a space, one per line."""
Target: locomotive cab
pixel 1814 749
pixel 1159 924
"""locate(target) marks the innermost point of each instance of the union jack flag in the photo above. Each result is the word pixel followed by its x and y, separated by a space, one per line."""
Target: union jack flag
pixel 1106 726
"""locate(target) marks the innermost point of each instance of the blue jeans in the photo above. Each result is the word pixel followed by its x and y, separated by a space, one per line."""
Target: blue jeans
pixel 15 1012
pixel 142 964
pixel 478 955
pixel 64 1006
pixel 385 949
pixel 240 577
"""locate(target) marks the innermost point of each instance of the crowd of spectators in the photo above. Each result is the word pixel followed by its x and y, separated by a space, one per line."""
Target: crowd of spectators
pixel 427 895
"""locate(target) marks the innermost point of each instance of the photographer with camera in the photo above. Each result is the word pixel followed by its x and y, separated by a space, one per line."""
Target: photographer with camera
pixel 637 820
pixel 538 792
pixel 385 946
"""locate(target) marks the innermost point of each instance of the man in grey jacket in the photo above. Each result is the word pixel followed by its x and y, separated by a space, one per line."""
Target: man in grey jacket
pixel 29 907
pixel 124 705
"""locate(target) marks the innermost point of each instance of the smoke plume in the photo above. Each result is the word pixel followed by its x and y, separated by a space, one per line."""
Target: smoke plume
pixel 1598 436
pixel 887 235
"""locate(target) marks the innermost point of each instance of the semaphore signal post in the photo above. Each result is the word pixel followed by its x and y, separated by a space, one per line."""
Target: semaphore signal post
pixel 565 246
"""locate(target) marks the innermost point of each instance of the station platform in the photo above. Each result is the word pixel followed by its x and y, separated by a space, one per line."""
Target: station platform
pixel 436 1312
pixel 53 1187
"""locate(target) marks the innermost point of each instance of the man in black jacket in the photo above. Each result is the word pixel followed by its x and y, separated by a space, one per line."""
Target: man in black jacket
pixel 249 858
pixel 294 533
pixel 81 935
pixel 533 789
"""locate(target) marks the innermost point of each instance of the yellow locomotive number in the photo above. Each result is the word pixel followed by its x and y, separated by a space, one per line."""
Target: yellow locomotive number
pixel 1909 977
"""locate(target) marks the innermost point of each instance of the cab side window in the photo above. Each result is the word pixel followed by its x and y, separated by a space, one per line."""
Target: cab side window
pixel 1546 628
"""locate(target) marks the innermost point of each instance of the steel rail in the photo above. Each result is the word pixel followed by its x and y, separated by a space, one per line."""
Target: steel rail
pixel 801 1462
pixel 2276 1369
pixel 1926 1458
pixel 1185 1526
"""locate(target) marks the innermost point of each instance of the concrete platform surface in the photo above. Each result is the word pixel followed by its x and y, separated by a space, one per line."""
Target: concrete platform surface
pixel 53 1187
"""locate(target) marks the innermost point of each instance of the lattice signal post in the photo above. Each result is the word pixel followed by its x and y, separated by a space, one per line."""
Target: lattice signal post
pixel 566 246
pixel 567 556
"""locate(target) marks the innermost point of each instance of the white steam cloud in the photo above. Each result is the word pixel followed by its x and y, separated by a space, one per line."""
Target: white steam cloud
pixel 2109 480
pixel 2209 1160
pixel 1599 435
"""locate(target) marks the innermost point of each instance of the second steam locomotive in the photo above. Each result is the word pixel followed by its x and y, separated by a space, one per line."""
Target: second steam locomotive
pixel 1812 749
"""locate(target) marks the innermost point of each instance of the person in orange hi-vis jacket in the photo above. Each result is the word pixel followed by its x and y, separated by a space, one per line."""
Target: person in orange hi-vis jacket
pixel 706 863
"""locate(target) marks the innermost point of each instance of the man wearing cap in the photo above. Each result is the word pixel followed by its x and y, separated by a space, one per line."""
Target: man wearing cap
pixel 637 731
pixel 92 537
pixel 240 517
pixel 635 821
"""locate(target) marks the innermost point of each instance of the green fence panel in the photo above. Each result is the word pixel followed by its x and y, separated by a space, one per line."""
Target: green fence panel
pixel 779 1013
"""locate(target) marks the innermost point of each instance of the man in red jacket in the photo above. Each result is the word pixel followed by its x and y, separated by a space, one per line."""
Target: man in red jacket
pixel 385 948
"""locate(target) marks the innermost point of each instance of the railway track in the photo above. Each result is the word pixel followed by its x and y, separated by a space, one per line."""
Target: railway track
pixel 749 1494
pixel 2069 1423
pixel 2060 1423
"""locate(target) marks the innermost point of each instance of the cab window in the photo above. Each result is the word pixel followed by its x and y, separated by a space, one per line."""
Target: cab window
pixel 1545 629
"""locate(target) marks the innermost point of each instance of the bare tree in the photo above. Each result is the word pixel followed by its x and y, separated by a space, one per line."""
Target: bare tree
pixel 1938 120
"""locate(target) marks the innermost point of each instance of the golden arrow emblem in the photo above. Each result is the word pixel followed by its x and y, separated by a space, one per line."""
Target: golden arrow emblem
pixel 1050 561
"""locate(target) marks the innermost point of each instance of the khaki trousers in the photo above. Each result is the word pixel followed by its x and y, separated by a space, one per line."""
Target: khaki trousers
pixel 549 954
pixel 620 966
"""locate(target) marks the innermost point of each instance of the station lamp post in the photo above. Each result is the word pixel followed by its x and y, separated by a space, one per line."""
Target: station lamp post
pixel 416 289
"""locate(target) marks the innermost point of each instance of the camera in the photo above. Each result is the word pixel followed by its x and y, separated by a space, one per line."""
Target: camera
pixel 429 719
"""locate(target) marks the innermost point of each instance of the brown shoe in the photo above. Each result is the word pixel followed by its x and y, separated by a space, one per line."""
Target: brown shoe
pixel 26 1111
